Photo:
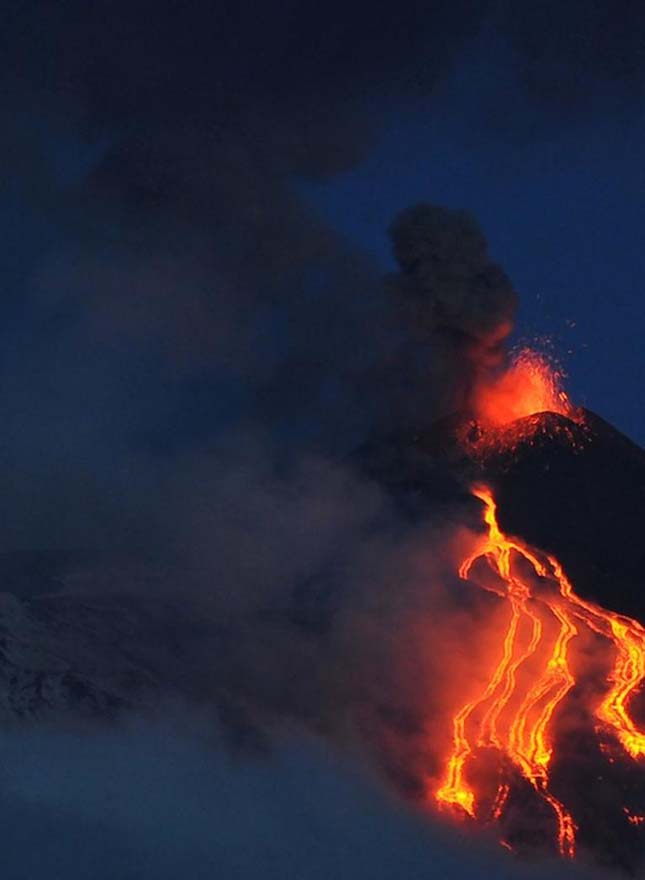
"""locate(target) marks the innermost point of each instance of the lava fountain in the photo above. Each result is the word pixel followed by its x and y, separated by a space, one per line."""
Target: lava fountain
pixel 505 408
pixel 530 385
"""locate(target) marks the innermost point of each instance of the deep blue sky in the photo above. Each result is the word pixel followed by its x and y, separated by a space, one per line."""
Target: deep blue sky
pixel 561 202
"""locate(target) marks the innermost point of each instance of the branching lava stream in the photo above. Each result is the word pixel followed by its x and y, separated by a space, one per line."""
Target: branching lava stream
pixel 514 712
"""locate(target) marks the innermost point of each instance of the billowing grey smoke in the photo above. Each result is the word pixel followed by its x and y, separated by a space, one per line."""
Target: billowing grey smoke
pixel 458 304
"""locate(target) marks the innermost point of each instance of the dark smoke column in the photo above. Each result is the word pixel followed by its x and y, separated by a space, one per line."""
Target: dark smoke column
pixel 456 307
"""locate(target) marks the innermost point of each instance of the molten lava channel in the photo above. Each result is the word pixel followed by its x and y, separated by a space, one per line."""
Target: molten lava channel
pixel 514 712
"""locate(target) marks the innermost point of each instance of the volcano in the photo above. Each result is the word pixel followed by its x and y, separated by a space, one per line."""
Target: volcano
pixel 577 490
pixel 548 747
pixel 543 743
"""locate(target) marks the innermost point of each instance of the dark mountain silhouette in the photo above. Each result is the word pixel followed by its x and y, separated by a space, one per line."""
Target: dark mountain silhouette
pixel 574 488
pixel 577 490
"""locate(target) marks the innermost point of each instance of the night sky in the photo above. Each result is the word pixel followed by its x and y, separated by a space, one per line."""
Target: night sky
pixel 559 197
pixel 197 334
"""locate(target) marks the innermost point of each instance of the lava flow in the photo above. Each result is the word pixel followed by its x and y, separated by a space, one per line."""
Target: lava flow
pixel 514 712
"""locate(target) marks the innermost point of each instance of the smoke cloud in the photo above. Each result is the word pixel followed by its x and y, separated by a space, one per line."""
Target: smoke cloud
pixel 151 801
pixel 458 304
pixel 191 358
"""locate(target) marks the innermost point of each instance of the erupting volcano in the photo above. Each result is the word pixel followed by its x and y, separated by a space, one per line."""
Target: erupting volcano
pixel 553 638
pixel 506 408
pixel 530 385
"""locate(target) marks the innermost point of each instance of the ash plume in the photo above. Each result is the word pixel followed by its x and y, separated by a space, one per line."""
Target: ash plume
pixel 458 305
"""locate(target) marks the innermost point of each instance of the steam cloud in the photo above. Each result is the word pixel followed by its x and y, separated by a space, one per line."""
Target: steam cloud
pixel 148 802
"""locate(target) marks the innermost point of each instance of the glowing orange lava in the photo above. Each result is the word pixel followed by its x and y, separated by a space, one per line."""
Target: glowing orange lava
pixel 633 818
pixel 508 410
pixel 530 385
pixel 514 712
